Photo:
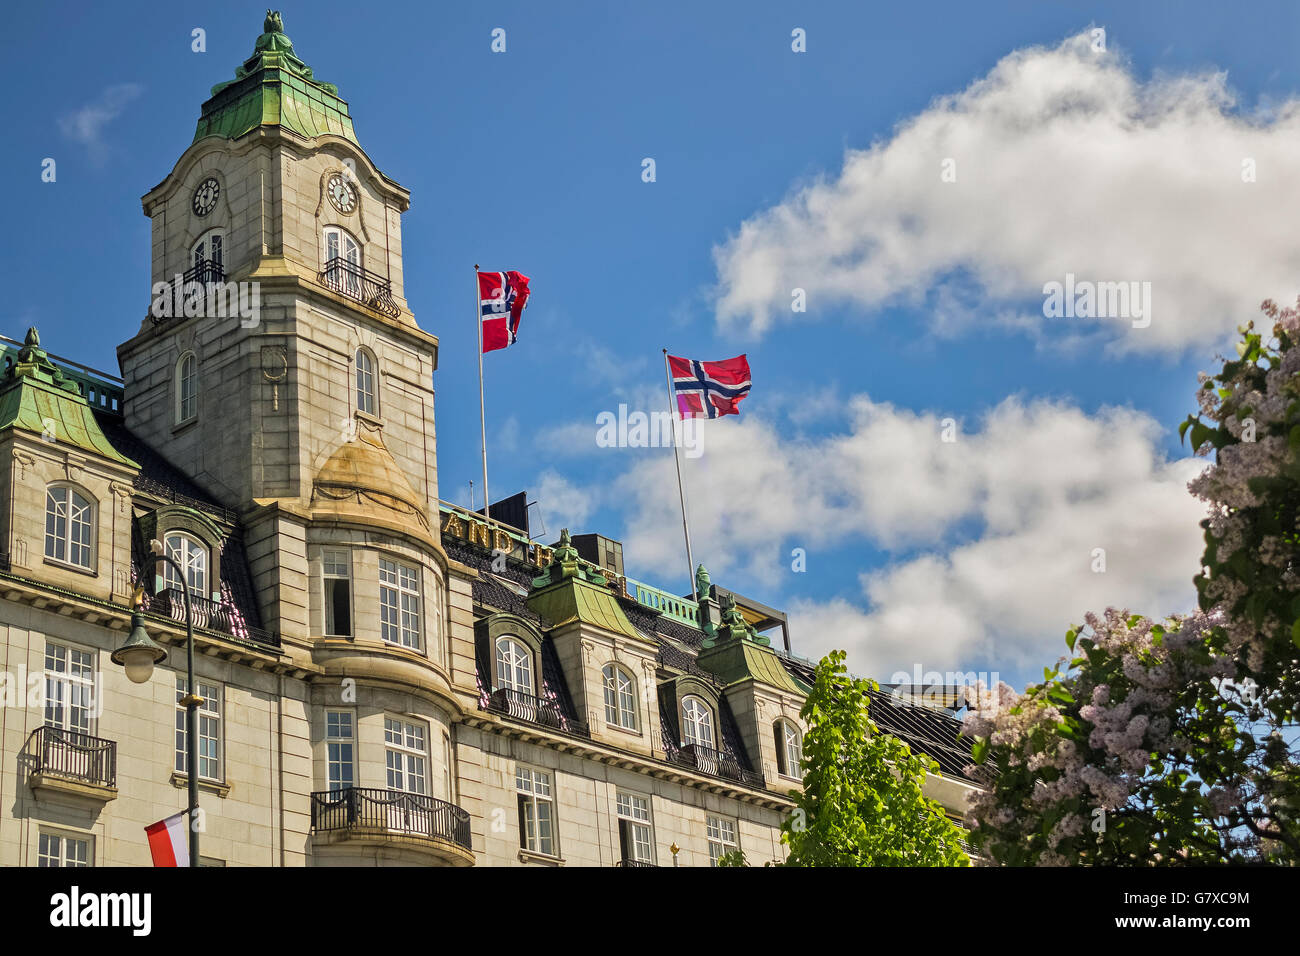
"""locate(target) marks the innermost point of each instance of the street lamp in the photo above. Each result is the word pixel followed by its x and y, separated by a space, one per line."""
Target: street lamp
pixel 140 653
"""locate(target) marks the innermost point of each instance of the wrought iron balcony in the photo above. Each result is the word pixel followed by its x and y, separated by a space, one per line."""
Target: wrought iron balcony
pixel 368 808
pixel 73 756
pixel 634 863
pixel 535 710
pixel 201 273
pixel 209 615
pixel 349 279
pixel 717 763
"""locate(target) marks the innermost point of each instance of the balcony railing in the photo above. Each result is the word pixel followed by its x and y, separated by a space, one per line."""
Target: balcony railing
pixel 634 863
pixel 73 756
pixel 200 274
pixel 370 808
pixel 349 279
pixel 716 763
pixel 209 615
pixel 535 710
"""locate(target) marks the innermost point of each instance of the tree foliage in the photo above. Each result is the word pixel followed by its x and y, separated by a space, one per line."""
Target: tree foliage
pixel 861 803
pixel 1176 741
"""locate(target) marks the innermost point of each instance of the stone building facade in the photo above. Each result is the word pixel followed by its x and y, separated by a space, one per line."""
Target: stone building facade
pixel 385 679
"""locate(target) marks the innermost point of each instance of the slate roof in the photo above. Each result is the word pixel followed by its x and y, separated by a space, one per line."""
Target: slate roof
pixel 925 730
pixel 160 479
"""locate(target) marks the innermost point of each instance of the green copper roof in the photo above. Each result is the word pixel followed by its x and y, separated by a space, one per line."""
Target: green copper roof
pixel 36 396
pixel 565 592
pixel 274 88
pixel 734 651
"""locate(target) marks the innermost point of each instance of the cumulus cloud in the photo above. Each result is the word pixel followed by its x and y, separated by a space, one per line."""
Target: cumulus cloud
pixel 993 536
pixel 1065 162
pixel 86 125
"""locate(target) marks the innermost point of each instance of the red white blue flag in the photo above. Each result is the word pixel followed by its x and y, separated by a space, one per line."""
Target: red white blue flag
pixel 709 389
pixel 502 297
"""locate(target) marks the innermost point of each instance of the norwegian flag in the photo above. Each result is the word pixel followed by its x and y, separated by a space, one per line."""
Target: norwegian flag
pixel 502 297
pixel 709 389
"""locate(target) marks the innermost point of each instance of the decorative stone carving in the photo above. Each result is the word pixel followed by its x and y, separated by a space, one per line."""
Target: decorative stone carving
pixel 275 369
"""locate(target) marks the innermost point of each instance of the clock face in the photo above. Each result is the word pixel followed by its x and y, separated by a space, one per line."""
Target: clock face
pixel 342 193
pixel 205 197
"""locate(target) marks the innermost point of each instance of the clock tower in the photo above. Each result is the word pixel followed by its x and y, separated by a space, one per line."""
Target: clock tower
pixel 279 365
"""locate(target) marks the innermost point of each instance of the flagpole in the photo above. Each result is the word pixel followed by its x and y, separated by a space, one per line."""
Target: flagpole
pixel 681 490
pixel 482 417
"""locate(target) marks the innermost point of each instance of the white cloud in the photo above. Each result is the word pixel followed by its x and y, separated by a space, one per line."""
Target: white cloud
pixel 994 533
pixel 562 505
pixel 1066 162
pixel 86 125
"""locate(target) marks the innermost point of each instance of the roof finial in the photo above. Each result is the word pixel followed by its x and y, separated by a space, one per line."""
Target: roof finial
pixel 272 23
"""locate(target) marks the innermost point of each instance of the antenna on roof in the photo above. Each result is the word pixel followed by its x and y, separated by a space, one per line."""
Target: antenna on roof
pixel 471 495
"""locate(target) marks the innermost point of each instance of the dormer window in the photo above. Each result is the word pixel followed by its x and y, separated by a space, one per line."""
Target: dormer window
pixel 69 526
pixel 620 697
pixel 342 266
pixel 192 555
pixel 514 666
pixel 697 723
pixel 789 749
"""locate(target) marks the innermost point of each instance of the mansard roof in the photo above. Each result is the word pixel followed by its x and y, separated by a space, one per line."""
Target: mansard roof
pixel 925 730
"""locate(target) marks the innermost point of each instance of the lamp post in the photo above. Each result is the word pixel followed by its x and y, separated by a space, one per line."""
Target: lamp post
pixel 140 653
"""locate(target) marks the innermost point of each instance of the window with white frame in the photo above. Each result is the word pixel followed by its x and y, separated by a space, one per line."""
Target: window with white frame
pixel 60 849
pixel 192 555
pixel 722 838
pixel 340 749
pixel 399 604
pixel 342 261
pixel 69 688
pixel 208 720
pixel 365 375
pixel 406 755
pixel 514 666
pixel 536 811
pixel 69 526
pixel 697 722
pixel 209 256
pixel 789 749
pixel 187 388
pixel 337 581
pixel 635 836
pixel 620 697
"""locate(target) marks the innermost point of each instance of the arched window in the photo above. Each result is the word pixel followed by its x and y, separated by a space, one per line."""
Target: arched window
pixel 187 388
pixel 620 697
pixel 192 555
pixel 342 262
pixel 69 526
pixel 365 374
pixel 514 666
pixel 789 749
pixel 209 257
pixel 697 722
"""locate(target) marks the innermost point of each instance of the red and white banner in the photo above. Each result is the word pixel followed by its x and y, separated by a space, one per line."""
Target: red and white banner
pixel 167 841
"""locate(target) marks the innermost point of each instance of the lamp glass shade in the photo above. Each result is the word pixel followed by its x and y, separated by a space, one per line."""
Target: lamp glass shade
pixel 138 663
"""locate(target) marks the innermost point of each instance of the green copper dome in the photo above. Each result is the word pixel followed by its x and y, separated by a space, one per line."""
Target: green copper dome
pixel 274 88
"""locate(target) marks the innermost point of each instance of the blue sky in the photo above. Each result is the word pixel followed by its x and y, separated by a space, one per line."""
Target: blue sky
pixel 532 160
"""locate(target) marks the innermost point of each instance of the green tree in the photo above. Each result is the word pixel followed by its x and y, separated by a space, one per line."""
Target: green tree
pixel 861 803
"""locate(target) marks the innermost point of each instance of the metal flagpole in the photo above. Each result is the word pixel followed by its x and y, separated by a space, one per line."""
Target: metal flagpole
pixel 677 457
pixel 482 418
